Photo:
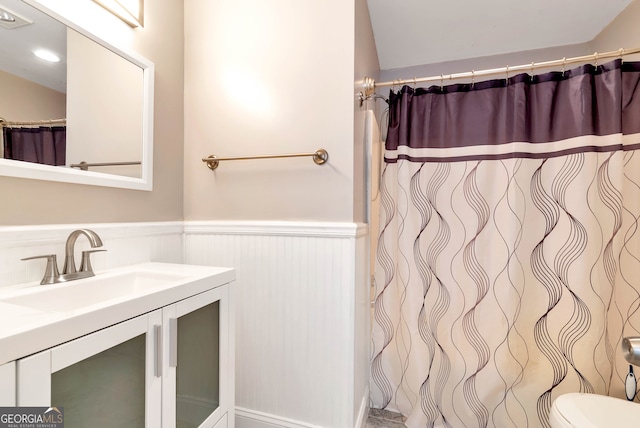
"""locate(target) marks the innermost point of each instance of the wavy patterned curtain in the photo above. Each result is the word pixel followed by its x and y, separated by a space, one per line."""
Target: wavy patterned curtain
pixel 508 262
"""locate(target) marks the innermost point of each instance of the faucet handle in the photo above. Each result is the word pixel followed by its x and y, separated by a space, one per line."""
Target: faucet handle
pixel 51 271
pixel 85 264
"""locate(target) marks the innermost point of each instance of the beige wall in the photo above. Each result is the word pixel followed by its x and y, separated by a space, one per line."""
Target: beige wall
pixel 483 63
pixel 161 41
pixel 366 65
pixel 23 100
pixel 269 77
pixel 622 32
pixel 109 130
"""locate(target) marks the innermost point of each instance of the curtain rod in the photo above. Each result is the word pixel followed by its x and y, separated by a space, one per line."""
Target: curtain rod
pixel 370 84
pixel 4 122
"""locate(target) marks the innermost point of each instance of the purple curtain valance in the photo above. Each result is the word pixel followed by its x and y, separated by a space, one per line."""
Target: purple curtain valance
pixel 550 107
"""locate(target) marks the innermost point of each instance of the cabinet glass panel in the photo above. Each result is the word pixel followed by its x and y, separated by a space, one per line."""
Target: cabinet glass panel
pixel 198 369
pixel 105 390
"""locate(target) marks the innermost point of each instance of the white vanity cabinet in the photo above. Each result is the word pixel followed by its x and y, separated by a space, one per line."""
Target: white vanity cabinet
pixel 172 367
pixel 8 384
pixel 193 378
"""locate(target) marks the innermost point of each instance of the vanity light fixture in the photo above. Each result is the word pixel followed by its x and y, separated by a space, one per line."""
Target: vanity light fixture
pixel 46 55
pixel 130 11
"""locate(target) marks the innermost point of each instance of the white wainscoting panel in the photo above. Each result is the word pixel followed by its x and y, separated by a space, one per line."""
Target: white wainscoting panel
pixel 126 244
pixel 362 332
pixel 300 360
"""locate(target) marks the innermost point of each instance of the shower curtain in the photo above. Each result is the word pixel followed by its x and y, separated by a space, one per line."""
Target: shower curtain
pixel 508 260
pixel 45 144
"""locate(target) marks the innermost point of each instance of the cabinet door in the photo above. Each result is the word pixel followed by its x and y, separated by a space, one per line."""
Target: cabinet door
pixel 8 384
pixel 196 360
pixel 105 379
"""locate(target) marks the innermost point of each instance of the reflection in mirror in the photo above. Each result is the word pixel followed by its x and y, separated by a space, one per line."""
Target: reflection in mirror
pixel 33 88
pixel 90 113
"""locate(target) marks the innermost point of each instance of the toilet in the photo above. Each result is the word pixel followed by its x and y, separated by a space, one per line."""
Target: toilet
pixel 580 410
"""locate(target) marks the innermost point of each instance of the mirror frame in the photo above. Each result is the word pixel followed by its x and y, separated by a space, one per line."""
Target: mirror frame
pixel 19 169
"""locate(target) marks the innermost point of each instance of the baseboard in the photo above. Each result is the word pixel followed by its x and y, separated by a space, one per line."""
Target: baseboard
pixel 246 418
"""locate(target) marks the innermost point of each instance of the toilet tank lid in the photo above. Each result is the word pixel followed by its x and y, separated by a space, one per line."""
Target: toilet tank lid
pixel 592 410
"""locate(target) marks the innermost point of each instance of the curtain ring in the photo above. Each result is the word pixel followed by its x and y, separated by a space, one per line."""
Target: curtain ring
pixel 442 82
pixel 533 66
pixel 564 65
pixel 507 72
pixel 621 55
pixel 473 78
pixel 414 83
pixel 596 54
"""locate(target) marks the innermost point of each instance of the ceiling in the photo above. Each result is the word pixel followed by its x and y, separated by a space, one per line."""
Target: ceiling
pixel 416 32
pixel 18 44
pixel 407 32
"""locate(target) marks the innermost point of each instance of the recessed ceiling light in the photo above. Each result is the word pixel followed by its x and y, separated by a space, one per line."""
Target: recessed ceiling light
pixel 6 16
pixel 46 55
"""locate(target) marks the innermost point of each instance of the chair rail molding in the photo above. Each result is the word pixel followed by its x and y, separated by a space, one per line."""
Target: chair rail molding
pixel 277 228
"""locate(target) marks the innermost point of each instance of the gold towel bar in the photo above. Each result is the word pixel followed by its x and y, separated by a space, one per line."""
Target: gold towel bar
pixel 320 156
pixel 85 166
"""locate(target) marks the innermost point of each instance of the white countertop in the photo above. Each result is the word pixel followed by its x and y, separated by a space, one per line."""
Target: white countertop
pixel 25 330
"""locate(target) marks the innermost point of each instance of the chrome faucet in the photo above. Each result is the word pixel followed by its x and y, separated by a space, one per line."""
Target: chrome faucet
pixel 70 272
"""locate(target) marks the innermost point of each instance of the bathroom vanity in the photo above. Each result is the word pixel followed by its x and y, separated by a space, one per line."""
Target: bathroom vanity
pixel 149 345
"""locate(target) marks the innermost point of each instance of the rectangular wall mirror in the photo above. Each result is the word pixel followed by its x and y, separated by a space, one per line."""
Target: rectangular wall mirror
pixel 98 95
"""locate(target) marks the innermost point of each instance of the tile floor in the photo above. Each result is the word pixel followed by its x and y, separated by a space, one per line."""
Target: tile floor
pixel 384 419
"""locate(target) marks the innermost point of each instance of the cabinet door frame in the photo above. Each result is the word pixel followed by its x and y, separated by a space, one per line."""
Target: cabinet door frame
pixel 34 372
pixel 169 315
pixel 8 384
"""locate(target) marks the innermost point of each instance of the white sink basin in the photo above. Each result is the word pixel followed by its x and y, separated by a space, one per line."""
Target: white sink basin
pixel 35 317
pixel 97 290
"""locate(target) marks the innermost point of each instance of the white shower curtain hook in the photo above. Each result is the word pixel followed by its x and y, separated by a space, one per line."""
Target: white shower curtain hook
pixel 414 83
pixel 596 54
pixel 564 65
pixel 473 78
pixel 442 82
pixel 507 72
pixel 621 55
